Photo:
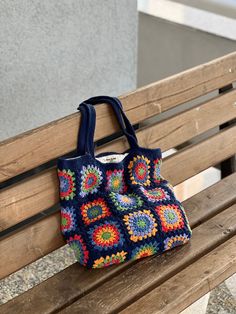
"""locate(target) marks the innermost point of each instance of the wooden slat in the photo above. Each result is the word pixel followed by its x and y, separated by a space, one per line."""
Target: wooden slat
pixel 209 202
pixel 41 191
pixel 187 286
pixel 143 276
pixel 40 145
pixel 183 126
pixel 75 281
pixel 27 198
pixel 43 237
pixel 199 157
pixel 29 244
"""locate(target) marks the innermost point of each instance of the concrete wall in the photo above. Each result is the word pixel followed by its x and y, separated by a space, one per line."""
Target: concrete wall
pixel 223 7
pixel 166 48
pixel 53 54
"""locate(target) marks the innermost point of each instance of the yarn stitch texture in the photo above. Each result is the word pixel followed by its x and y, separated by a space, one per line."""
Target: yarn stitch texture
pixel 115 212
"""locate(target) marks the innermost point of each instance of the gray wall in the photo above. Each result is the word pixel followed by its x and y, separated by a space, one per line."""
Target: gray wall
pixel 223 7
pixel 166 48
pixel 53 54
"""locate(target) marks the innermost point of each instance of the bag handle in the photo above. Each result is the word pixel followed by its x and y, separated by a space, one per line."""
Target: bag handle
pixel 116 102
pixel 86 133
pixel 118 108
pixel 86 130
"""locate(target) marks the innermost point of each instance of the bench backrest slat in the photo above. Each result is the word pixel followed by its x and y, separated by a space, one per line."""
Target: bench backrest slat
pixel 33 148
pixel 183 126
pixel 201 156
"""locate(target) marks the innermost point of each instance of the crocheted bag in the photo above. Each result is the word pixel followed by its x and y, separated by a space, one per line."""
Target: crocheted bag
pixel 117 207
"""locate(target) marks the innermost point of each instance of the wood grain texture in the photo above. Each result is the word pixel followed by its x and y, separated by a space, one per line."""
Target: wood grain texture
pixel 198 157
pixel 27 198
pixel 183 126
pixel 57 138
pixel 187 286
pixel 209 202
pixel 29 244
pixel 38 146
pixel 41 191
pixel 148 273
pixel 75 281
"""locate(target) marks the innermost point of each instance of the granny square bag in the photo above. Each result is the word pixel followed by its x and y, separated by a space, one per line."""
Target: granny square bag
pixel 117 207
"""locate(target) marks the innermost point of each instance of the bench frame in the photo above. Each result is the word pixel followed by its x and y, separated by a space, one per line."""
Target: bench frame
pixel 29 209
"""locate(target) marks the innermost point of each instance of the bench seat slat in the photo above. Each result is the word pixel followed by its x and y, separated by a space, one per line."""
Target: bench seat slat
pixel 52 294
pixel 196 280
pixel 150 272
pixel 40 192
pixel 33 148
pixel 127 285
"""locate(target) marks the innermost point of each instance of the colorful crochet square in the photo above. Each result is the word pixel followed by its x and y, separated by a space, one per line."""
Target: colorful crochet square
pixel 170 216
pixel 77 244
pixel 147 249
pixel 67 184
pixel 106 235
pixel 157 170
pixel 91 178
pixel 156 194
pixel 115 181
pixel 94 210
pixel 174 241
pixel 124 202
pixel 140 225
pixel 110 260
pixel 68 222
pixel 139 170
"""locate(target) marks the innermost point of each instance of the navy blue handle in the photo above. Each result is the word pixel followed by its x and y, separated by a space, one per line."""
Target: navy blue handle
pixel 128 125
pixel 118 109
pixel 86 133
pixel 85 144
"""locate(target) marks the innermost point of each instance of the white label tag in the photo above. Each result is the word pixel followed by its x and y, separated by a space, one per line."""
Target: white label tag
pixel 112 158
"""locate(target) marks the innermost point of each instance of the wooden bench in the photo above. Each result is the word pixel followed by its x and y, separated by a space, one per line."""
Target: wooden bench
pixel 29 211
